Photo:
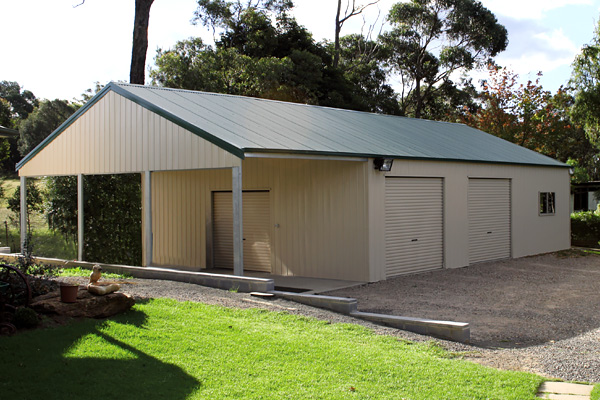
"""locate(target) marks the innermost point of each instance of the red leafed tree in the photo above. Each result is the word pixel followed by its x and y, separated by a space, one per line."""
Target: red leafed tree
pixel 524 114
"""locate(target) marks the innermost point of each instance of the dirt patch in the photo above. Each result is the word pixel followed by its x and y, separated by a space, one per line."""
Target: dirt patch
pixel 508 304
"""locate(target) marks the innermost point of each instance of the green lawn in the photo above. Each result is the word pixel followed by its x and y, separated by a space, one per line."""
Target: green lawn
pixel 596 393
pixel 165 349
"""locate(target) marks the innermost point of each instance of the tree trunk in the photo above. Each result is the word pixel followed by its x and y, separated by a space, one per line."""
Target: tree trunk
pixel 338 28
pixel 137 73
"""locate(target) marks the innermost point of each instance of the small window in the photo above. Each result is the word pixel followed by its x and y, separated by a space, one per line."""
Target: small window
pixel 547 204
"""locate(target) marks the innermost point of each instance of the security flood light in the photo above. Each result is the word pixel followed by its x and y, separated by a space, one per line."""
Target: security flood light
pixel 383 164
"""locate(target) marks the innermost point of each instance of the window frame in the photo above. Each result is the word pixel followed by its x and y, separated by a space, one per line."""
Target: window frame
pixel 546 202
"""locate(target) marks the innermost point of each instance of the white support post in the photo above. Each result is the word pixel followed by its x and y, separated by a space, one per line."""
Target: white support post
pixel 23 214
pixel 148 217
pixel 238 238
pixel 80 217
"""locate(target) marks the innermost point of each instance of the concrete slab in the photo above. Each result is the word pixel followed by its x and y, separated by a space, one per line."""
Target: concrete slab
pixel 566 388
pixel 308 285
pixel 553 396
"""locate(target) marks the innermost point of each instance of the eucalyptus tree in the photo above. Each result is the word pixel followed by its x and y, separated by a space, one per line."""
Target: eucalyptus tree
pixel 432 39
pixel 585 81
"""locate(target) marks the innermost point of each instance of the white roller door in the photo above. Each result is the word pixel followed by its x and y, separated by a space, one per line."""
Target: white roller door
pixel 413 225
pixel 489 219
pixel 256 229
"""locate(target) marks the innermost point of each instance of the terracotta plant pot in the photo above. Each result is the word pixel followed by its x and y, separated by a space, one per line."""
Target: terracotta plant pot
pixel 68 292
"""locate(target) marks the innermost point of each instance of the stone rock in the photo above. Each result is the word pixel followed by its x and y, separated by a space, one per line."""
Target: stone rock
pixel 86 306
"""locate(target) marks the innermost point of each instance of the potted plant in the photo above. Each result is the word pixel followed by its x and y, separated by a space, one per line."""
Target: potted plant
pixel 68 291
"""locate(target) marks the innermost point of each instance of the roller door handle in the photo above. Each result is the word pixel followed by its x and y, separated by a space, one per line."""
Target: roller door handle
pixel 414 240
pixel 489 232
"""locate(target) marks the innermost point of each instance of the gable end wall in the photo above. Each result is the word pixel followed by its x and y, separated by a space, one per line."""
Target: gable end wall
pixel 116 136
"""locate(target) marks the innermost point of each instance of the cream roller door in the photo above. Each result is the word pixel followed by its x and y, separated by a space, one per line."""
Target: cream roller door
pixel 257 225
pixel 489 219
pixel 413 225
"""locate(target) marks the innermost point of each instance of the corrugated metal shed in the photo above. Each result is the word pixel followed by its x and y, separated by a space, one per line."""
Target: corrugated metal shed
pixel 244 124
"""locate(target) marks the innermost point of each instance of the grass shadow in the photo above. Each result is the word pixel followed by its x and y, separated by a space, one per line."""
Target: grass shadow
pixel 51 364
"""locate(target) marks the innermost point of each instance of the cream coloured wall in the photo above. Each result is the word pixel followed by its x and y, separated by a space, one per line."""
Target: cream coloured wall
pixel 530 232
pixel 318 206
pixel 118 136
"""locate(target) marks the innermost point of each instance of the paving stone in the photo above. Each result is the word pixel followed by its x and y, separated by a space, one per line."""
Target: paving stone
pixel 554 396
pixel 566 388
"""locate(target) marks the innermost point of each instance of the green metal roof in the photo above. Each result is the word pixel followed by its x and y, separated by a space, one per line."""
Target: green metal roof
pixel 246 124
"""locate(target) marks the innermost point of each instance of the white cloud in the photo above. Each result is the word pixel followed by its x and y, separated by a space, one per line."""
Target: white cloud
pixel 529 9
pixel 559 41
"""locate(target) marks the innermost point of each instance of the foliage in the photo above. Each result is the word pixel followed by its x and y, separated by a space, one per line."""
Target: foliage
pixel 22 102
pixel 89 93
pixel 360 60
pixel 585 79
pixel 580 174
pixel 112 215
pixel 221 71
pixel 263 52
pixel 15 105
pixel 42 122
pixel 228 15
pixel 35 202
pixel 239 354
pixel 466 34
pixel 25 317
pixel 530 116
pixel 78 271
pixel 585 228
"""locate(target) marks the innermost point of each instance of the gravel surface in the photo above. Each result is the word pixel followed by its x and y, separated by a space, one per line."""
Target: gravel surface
pixel 539 314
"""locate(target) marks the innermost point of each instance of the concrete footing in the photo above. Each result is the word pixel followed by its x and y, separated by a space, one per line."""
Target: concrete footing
pixel 227 282
pixel 457 331
pixel 342 305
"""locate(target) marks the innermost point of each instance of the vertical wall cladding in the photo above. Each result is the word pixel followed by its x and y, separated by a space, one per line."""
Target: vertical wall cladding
pixel 118 136
pixel 530 233
pixel 318 216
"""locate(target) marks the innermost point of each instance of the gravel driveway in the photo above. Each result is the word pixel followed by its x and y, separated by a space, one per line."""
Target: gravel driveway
pixel 539 314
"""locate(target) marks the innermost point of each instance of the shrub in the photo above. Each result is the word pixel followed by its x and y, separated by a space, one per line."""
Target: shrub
pixel 585 228
pixel 26 318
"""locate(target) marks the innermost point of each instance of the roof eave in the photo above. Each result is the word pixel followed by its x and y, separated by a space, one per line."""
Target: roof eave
pixel 400 157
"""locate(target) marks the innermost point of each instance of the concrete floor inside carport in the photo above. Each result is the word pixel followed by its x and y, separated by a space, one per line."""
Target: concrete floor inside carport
pixel 299 284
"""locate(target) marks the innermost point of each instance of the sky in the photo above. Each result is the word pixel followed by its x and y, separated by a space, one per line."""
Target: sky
pixel 57 50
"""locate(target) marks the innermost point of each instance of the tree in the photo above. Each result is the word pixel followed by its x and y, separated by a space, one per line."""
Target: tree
pixel 531 117
pixel 21 102
pixel 112 215
pixel 228 15
pixel 15 105
pixel 137 72
pixel 42 122
pixel 361 64
pixel 585 79
pixel 351 10
pixel 35 202
pixel 254 57
pixel 139 48
pixel 466 34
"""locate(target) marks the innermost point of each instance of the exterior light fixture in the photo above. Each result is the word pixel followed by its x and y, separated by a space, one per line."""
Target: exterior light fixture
pixel 383 164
